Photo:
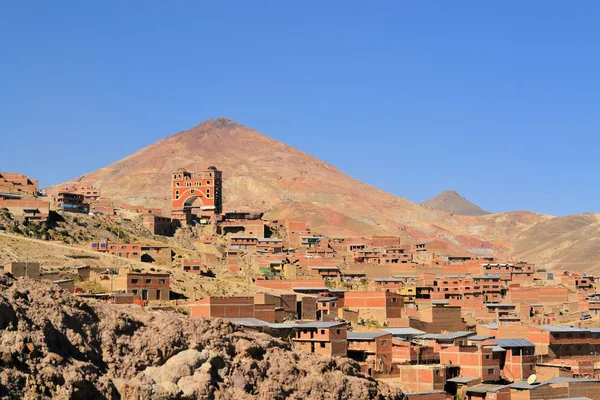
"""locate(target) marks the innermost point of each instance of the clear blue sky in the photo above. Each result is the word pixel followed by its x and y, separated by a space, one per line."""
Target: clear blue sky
pixel 499 100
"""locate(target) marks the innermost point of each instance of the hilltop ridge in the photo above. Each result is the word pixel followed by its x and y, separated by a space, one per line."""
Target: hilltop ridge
pixel 452 202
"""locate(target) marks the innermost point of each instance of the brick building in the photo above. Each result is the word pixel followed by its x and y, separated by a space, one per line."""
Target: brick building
pixel 196 194
pixel 146 286
pixel 27 269
pixel 89 193
pixel 379 306
pixel 26 210
pixel 71 202
pixel 323 338
pixel 135 251
pixel 14 182
pixel 159 225
pixel 373 351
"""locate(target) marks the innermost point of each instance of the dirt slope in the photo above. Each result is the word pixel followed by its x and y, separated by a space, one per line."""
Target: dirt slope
pixel 262 173
pixel 56 345
pixel 452 202
pixel 571 242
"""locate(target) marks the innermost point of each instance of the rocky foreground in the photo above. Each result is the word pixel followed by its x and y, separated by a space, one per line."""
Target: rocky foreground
pixel 55 345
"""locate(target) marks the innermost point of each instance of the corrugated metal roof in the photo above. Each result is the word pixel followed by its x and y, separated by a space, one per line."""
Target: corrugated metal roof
pixel 447 336
pixel 282 326
pixel 365 335
pixel 560 328
pixel 463 379
pixel 510 343
pixel 523 385
pixel 249 322
pixel 327 299
pixel 503 305
pixel 320 324
pixel 403 331
pixel 480 338
pixel 490 326
pixel 485 388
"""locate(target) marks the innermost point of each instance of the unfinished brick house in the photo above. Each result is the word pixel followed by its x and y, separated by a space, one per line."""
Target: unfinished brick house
pixel 517 362
pixel 223 307
pixel 25 210
pixel 245 223
pixel 439 317
pixel 24 268
pixel 262 307
pixel 89 193
pixel 196 195
pixel 323 338
pixel 14 182
pixel 474 361
pixel 379 306
pixel 373 351
pixel 194 266
pixel 327 308
pixel 159 225
pixel 71 202
pixel 146 286
pixel 565 341
pixel 137 251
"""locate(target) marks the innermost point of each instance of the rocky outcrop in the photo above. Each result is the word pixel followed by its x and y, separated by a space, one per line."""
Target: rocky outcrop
pixel 55 345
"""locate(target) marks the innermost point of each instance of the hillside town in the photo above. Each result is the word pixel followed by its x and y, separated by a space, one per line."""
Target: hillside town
pixel 426 317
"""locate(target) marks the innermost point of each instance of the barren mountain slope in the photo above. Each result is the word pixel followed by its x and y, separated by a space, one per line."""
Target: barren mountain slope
pixel 571 242
pixel 55 345
pixel 262 173
pixel 452 202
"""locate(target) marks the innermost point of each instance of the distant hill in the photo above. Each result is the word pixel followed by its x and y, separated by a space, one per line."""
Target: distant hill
pixel 452 202
pixel 260 173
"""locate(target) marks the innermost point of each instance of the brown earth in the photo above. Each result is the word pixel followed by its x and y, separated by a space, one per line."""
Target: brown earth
pixel 55 345
pixel 452 202
pixel 261 173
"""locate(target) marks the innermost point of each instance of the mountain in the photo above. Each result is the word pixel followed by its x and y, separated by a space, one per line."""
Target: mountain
pixel 452 202
pixel 571 242
pixel 260 173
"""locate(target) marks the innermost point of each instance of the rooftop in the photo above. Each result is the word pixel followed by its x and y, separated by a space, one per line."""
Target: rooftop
pixel 319 325
pixel 512 343
pixel 485 388
pixel 403 331
pixel 447 336
pixel 249 322
pixel 365 335
pixel 327 299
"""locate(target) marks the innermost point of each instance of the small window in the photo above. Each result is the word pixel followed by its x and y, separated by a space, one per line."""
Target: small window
pixel 161 281
pixel 208 182
pixel 322 345
pixel 339 331
pixel 393 299
pixel 487 356
pixel 384 342
pixel 490 371
pixel 192 191
pixel 148 280
pixel 134 281
pixel 322 331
